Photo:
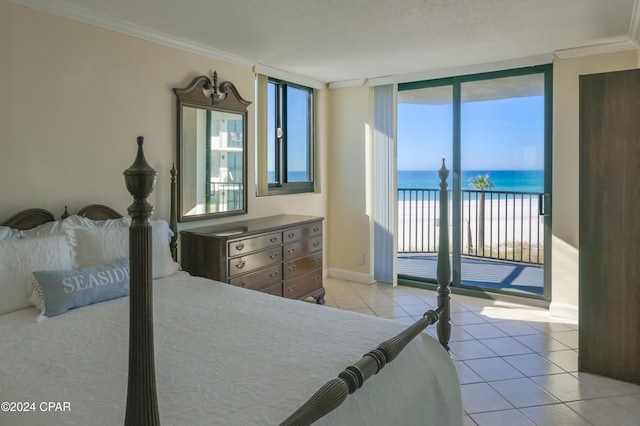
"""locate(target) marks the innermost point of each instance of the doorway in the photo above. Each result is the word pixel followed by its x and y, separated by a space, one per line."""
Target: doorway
pixel 494 132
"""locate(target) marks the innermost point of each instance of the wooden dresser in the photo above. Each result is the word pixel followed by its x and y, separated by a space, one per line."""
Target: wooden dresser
pixel 281 255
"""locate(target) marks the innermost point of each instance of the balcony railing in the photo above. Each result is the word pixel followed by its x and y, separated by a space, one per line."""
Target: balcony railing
pixel 507 228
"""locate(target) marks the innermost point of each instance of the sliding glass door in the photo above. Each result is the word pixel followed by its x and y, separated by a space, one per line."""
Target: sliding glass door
pixel 493 130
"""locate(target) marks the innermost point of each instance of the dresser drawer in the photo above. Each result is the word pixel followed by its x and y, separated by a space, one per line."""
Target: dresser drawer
pixel 307 231
pixel 302 248
pixel 303 285
pixel 259 279
pixel 244 264
pixel 275 289
pixel 302 265
pixel 253 244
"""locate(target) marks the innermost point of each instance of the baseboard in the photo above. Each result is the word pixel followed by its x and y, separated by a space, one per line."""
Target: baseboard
pixel 357 277
pixel 563 310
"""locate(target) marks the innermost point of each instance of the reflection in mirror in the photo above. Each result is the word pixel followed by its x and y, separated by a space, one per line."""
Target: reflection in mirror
pixel 211 150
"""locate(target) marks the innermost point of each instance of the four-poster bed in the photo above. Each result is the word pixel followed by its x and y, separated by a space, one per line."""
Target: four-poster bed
pixel 223 355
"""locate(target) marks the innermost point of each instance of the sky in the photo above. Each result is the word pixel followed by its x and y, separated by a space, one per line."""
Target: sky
pixel 499 134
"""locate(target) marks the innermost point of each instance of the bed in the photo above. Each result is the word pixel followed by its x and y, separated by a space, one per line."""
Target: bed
pixel 223 355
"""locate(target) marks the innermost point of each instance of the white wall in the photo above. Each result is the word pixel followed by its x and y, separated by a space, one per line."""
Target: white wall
pixel 74 98
pixel 349 159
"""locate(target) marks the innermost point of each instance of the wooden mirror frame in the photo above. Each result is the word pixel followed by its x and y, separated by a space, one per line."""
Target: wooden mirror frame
pixel 205 93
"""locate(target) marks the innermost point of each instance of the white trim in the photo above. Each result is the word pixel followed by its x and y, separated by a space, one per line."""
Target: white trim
pixel 597 49
pixel 530 61
pixel 287 76
pixel 563 310
pixel 357 277
pixel 634 28
pixel 75 13
pixel 344 84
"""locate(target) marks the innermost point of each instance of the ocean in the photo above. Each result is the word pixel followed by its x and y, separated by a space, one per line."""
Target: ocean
pixel 503 180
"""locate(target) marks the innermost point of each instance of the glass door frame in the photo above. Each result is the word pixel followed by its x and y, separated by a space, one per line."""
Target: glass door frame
pixel 456 186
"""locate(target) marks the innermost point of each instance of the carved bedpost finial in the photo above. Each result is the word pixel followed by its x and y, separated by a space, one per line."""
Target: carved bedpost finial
pixel 140 179
pixel 443 173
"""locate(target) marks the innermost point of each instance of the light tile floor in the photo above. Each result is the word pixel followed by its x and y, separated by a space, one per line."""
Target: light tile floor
pixel 517 365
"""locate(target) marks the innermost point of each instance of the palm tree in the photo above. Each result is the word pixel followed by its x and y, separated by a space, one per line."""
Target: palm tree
pixel 480 182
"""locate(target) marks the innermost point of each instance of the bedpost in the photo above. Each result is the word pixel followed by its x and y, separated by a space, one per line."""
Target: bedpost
pixel 142 404
pixel 444 267
pixel 173 224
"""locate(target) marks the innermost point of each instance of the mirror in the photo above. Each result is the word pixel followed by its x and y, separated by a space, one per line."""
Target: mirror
pixel 212 150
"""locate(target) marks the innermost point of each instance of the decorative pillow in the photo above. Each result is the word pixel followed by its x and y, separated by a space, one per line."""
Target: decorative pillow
pixel 7 233
pixel 19 258
pixel 55 292
pixel 97 246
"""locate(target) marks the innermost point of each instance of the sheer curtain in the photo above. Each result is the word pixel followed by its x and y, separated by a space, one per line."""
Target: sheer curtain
pixel 385 194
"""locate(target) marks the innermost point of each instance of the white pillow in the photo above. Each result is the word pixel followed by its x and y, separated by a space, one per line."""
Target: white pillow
pixel 57 227
pixel 7 233
pixel 112 223
pixel 99 246
pixel 73 222
pixel 19 258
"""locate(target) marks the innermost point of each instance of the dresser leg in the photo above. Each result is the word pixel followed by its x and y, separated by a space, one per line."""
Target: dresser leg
pixel 320 298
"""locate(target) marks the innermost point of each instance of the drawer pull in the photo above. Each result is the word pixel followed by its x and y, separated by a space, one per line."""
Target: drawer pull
pixel 291 268
pixel 291 251
pixel 290 289
pixel 317 259
pixel 273 256
pixel 239 246
pixel 242 284
pixel 273 239
pixel 273 274
pixel 316 229
pixel 240 264
pixel 316 243
pixel 316 279
pixel 291 235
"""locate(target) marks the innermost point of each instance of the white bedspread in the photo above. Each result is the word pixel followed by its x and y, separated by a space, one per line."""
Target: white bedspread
pixel 224 356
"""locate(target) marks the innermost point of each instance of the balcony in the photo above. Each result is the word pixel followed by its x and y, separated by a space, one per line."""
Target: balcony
pixel 502 244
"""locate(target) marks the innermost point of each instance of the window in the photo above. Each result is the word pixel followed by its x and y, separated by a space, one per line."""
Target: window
pixel 289 137
pixel 494 129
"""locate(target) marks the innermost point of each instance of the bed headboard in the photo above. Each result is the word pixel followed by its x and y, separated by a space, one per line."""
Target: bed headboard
pixel 30 218
pixel 98 212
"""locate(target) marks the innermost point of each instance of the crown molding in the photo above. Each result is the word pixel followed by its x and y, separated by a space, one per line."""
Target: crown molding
pixel 288 76
pixel 61 8
pixel 344 84
pixel 597 49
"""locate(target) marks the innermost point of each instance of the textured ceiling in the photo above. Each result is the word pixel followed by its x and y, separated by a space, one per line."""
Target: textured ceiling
pixel 336 40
